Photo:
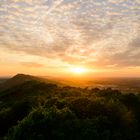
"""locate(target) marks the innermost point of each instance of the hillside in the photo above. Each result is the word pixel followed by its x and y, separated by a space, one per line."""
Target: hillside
pixel 21 79
pixel 35 110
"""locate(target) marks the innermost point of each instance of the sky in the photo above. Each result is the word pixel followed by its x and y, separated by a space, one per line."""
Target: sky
pixel 47 37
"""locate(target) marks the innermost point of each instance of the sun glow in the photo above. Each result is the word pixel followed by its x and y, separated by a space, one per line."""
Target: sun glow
pixel 78 70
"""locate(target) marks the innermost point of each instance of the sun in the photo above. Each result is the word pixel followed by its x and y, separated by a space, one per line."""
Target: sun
pixel 78 70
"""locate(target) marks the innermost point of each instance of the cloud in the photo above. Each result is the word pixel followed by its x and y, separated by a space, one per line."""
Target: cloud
pixel 32 64
pixel 82 32
pixel 135 42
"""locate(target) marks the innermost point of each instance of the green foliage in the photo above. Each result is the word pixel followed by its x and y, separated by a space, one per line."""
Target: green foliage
pixel 10 116
pixel 45 111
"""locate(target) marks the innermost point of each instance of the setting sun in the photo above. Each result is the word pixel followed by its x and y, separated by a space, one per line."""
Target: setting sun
pixel 78 70
pixel 73 65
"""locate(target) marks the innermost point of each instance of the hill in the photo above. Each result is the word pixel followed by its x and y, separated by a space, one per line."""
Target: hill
pixel 33 109
pixel 21 79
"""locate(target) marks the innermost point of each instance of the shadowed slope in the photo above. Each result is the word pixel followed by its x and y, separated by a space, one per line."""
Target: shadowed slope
pixel 23 78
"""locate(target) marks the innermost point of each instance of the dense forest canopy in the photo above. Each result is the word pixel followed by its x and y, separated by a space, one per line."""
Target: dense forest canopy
pixel 37 110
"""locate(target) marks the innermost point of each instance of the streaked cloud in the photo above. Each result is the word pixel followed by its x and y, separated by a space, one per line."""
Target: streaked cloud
pixel 100 33
pixel 32 64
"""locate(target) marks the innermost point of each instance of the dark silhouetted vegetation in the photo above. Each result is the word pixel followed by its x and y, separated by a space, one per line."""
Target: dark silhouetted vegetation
pixel 37 111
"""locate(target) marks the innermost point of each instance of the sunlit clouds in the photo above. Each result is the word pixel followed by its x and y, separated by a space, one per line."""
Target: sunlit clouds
pixel 42 34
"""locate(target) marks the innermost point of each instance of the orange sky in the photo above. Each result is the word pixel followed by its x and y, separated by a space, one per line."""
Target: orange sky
pixel 48 38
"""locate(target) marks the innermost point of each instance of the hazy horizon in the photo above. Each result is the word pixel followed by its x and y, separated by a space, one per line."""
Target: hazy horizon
pixel 73 77
pixel 70 69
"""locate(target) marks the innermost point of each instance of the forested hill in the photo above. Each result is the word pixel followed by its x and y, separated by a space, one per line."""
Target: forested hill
pixel 23 78
pixel 33 109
